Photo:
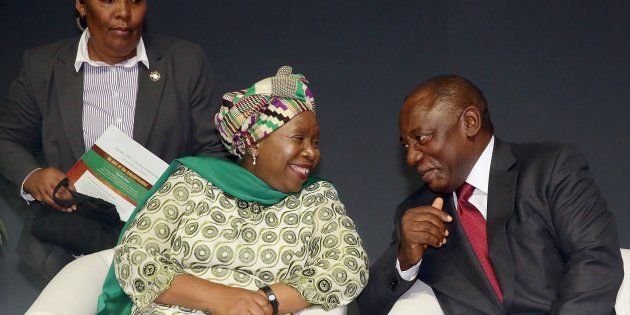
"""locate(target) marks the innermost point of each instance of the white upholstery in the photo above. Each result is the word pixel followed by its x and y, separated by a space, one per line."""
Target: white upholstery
pixel 421 300
pixel 622 307
pixel 75 290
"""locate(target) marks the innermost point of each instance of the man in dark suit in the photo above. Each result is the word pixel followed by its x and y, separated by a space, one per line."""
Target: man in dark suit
pixel 158 90
pixel 498 227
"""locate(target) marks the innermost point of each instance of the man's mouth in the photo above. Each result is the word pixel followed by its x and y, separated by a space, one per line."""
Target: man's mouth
pixel 427 173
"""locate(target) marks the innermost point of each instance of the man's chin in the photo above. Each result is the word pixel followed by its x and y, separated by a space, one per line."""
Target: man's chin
pixel 438 188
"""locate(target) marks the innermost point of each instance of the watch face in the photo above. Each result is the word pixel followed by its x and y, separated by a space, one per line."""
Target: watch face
pixel 272 297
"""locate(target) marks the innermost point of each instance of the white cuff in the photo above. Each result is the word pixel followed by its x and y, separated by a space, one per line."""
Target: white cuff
pixel 409 274
pixel 26 196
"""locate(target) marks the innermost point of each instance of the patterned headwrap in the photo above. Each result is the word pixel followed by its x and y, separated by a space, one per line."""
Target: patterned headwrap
pixel 249 115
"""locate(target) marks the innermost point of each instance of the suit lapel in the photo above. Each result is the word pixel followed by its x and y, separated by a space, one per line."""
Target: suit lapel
pixel 454 270
pixel 69 90
pixel 149 93
pixel 501 195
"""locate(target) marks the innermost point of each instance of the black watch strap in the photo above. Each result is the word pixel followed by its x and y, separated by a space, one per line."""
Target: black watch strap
pixel 271 297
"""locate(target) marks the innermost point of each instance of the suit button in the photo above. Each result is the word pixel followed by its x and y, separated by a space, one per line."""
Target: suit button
pixel 392 286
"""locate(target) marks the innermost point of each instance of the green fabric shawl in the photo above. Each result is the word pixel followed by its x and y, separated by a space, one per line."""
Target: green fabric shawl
pixel 228 176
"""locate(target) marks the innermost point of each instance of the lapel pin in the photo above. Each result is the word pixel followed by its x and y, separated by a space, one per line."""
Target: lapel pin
pixel 154 76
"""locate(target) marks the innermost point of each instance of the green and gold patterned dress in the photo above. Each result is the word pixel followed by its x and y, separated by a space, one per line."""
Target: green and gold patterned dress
pixel 191 226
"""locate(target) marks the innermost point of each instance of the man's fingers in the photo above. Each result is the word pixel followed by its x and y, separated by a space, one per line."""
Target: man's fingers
pixel 438 203
pixel 427 217
pixel 429 209
pixel 419 218
pixel 426 236
pixel 428 226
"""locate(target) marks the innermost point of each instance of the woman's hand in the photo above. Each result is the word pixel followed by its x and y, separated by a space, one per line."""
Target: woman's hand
pixel 41 183
pixel 236 301
pixel 218 299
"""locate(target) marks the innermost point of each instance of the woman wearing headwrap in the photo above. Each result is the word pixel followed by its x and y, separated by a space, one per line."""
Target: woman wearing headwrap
pixel 258 237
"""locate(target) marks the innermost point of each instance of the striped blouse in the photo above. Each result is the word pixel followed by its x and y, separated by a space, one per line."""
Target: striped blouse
pixel 109 91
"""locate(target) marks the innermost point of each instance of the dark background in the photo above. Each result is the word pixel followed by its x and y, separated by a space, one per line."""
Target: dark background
pixel 551 71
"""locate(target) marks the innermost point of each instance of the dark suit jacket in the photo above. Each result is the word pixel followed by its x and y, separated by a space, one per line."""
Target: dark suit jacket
pixel 43 113
pixel 552 243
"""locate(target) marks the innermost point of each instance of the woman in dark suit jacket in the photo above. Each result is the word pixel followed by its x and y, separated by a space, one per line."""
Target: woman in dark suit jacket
pixel 157 90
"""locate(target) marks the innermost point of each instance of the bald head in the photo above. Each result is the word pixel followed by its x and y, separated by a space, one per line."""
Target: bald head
pixel 452 94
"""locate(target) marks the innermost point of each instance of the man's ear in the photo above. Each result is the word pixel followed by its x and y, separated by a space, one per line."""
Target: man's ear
pixel 471 118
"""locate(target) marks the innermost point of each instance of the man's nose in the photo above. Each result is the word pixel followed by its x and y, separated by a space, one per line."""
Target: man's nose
pixel 414 156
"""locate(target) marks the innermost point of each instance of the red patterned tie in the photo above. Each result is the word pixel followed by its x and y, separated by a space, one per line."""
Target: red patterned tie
pixel 474 225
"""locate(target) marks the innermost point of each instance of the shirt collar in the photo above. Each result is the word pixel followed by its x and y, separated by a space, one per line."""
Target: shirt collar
pixel 479 176
pixel 83 56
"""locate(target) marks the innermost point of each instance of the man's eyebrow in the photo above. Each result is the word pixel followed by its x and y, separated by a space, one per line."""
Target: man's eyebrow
pixel 419 130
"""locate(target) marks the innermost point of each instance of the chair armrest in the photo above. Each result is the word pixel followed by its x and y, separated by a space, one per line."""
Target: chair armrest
pixel 419 297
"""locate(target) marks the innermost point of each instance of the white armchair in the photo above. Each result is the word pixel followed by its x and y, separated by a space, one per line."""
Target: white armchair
pixel 75 289
pixel 421 297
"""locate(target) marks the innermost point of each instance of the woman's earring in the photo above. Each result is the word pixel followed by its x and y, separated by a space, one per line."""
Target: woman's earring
pixel 79 21
pixel 254 161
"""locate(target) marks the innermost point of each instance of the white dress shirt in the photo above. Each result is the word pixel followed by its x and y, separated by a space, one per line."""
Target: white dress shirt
pixel 478 177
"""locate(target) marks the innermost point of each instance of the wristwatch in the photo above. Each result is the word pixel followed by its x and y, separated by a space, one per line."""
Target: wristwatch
pixel 271 297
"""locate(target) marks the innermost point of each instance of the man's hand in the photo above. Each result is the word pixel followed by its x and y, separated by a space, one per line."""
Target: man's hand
pixel 41 184
pixel 422 227
pixel 236 301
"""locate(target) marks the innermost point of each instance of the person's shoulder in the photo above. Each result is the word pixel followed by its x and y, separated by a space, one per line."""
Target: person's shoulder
pixel 544 160
pixel 543 152
pixel 171 46
pixel 50 51
pixel 322 186
pixel 319 191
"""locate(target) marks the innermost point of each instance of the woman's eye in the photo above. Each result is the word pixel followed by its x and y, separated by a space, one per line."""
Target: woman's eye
pixel 298 139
